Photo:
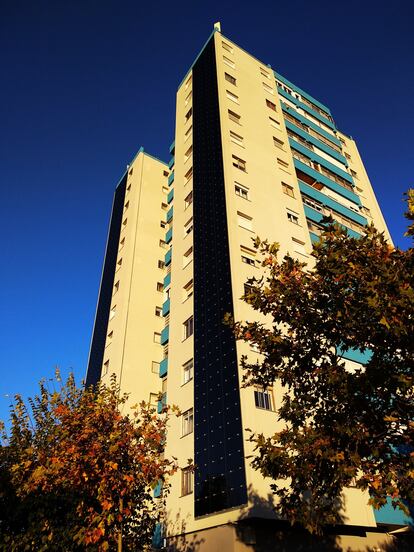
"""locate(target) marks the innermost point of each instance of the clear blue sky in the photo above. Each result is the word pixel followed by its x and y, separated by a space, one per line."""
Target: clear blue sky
pixel 85 83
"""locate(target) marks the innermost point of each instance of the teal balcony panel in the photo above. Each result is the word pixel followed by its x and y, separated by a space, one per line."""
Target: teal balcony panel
pixel 167 280
pixel 163 368
pixel 157 537
pixel 316 216
pixel 158 490
pixel 314 237
pixel 168 235
pixel 390 516
pixel 165 335
pixel 327 181
pixel 162 403
pixel 329 202
pixel 171 162
pixel 166 307
pixel 170 195
pixel 287 109
pixel 167 258
pixel 172 147
pixel 317 143
pixel 302 92
pixel 171 179
pixel 321 160
pixel 356 355
pixel 306 108
pixel 170 214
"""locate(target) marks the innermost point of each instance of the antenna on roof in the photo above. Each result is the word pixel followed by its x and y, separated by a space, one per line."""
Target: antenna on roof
pixel 217 26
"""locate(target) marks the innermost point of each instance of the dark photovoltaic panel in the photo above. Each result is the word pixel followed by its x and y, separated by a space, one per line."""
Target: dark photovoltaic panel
pixel 220 480
pixel 105 293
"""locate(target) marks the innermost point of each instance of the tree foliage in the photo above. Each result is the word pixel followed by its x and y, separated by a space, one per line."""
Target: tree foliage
pixel 77 473
pixel 340 426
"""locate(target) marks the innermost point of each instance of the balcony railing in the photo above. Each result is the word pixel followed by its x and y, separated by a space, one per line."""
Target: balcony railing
pixel 312 132
pixel 327 211
pixel 326 172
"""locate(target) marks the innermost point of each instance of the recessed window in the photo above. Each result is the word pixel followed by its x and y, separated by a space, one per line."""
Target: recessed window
pixel 158 311
pixel 153 399
pixel 116 286
pixel 274 123
pixel 188 227
pixel 157 337
pixel 110 335
pixel 299 246
pixel 188 257
pixel 268 88
pixel 119 263
pixel 126 205
pixel 248 256
pixel 121 244
pixel 166 173
pixel 105 367
pixel 188 99
pixel 163 224
pixel 354 174
pixel 347 155
pixel 292 217
pixel 161 264
pixel 124 222
pixel 278 143
pixel 188 133
pixel 112 312
pixel 131 171
pixel 155 367
pixel 188 175
pixel 232 96
pixel 229 78
pixel 188 200
pixel 188 114
pixel 241 191
pixel 271 105
pixel 160 286
pixel 244 221
pixel 165 189
pixel 227 47
pixel 187 84
pixel 229 62
pixel 283 163
pixel 367 211
pixel 163 244
pixel 188 290
pixel 188 154
pixel 264 73
pixel 186 481
pixel 248 260
pixel 263 399
pixel 188 369
pixel 236 138
pixel 239 163
pixel 188 327
pixel 342 141
pixel 187 426
pixel 288 190
pixel 234 117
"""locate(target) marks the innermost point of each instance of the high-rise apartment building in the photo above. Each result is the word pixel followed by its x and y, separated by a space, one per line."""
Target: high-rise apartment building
pixel 253 155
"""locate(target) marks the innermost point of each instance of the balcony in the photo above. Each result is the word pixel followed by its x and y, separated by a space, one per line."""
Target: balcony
pixel 307 109
pixel 309 126
pixel 171 179
pixel 163 368
pixel 170 196
pixel 166 307
pixel 309 138
pixel 316 214
pixel 168 235
pixel 334 172
pixel 165 335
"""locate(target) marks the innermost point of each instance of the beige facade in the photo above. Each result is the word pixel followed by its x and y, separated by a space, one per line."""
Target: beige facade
pixel 272 176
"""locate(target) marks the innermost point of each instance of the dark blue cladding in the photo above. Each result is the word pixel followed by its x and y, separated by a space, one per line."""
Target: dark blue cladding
pixel 105 293
pixel 220 480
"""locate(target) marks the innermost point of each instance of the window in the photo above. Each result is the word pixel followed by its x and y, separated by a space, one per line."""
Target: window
pixel 153 399
pixel 126 205
pixel 155 367
pixel 241 191
pixel 188 369
pixel 158 311
pixel 248 256
pixel 236 139
pixel 299 246
pixel 188 114
pixel 124 223
pixel 112 312
pixel 229 62
pixel 188 175
pixel 263 399
pixel 282 163
pixel 131 171
pixel 288 190
pixel 121 244
pixel 264 73
pixel 188 327
pixel 188 154
pixel 188 200
pixel 164 206
pixel 163 244
pixel 271 105
pixel 342 141
pixel 105 367
pixel 188 290
pixel 248 260
pixel 161 264
pixel 244 221
pixel 187 84
pixel 248 289
pixel 232 96
pixel 274 123
pixel 157 337
pixel 354 174
pixel 278 143
pixel 160 286
pixel 119 263
pixel 188 257
pixel 188 132
pixel 165 173
pixel 227 47
pixel 165 189
pixel 111 335
pixel 188 98
pixel 239 163
pixel 186 481
pixel 230 79
pixel 163 224
pixel 188 227
pixel 268 88
pixel 234 117
pixel 347 155
pixel 367 211
pixel 292 217
pixel 187 426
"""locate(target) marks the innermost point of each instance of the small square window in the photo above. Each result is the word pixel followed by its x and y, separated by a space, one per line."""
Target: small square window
pixel 188 227
pixel 165 173
pixel 292 217
pixel 186 481
pixel 188 290
pixel 288 190
pixel 232 96
pixel 121 244
pixel 161 264
pixel 268 88
pixel 163 244
pixel 112 312
pixel 188 154
pixel 236 138
pixel 188 200
pixel 244 221
pixel 160 286
pixel 116 287
pixel 241 191
pixel 187 84
pixel 274 123
pixel 271 105
pixel 119 263
pixel 227 47
pixel 126 205
pixel 163 224
pixel 188 257
pixel 155 367
pixel 188 99
pixel 229 62
pixel 282 163
pixel 278 143
pixel 105 367
pixel 153 399
pixel 158 311
pixel 188 114
pixel 188 133
pixel 157 337
pixel 188 175
pixel 234 117
pixel 264 73
pixel 164 206
pixel 188 327
pixel 347 155
pixel 263 399
pixel 230 79
pixel 188 369
pixel 239 163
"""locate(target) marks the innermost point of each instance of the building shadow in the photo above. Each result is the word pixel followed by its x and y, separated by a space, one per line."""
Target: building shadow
pixel 181 541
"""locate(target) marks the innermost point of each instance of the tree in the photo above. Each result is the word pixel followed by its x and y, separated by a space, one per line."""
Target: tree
pixel 79 474
pixel 340 426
